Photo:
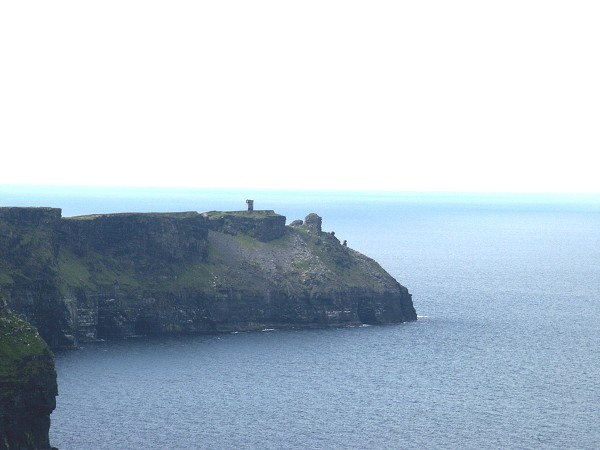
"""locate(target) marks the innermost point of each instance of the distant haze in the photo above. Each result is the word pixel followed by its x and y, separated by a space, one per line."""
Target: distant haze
pixel 382 95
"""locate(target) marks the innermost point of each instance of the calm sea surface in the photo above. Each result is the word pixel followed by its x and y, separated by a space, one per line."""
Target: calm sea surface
pixel 505 354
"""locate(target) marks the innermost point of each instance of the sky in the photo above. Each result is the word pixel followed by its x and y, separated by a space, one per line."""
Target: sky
pixel 479 96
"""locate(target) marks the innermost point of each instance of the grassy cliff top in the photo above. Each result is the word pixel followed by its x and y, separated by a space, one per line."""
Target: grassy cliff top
pixel 19 341
pixel 175 215
pixel 257 214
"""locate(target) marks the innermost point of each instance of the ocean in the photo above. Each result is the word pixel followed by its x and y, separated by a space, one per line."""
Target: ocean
pixel 505 352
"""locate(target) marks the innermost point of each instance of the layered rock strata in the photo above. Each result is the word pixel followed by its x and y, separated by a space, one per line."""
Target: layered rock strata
pixel 118 275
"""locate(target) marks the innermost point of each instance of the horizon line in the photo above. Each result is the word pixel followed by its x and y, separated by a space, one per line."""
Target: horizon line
pixel 294 189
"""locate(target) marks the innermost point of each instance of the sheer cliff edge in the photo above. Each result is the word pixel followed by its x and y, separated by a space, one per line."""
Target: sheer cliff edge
pixel 27 385
pixel 110 276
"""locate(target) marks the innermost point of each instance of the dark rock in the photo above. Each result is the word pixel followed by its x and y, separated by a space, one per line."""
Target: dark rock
pixel 27 385
pixel 171 237
pixel 263 225
pixel 29 275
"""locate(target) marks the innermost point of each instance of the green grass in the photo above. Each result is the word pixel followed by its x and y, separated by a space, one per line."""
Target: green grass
pixel 245 241
pixel 39 241
pixel 174 215
pixel 328 250
pixel 93 269
pixel 197 276
pixel 24 356
pixel 108 272
pixel 5 278
pixel 18 340
pixel 73 271
pixel 259 214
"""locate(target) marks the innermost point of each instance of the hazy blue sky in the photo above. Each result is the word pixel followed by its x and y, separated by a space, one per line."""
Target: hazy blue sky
pixel 396 95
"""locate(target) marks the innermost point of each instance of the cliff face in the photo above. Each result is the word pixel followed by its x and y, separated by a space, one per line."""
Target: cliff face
pixel 27 385
pixel 29 249
pixel 118 275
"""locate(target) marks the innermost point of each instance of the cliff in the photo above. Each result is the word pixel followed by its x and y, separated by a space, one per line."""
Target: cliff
pixel 27 385
pixel 29 247
pixel 118 275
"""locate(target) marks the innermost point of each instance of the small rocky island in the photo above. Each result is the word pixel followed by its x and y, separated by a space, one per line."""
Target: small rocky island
pixel 110 276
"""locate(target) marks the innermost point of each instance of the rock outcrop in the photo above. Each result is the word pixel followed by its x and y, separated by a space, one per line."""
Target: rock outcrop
pixel 117 275
pixel 263 225
pixel 27 385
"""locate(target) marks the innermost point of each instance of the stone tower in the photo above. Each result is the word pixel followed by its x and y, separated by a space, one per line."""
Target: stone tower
pixel 313 221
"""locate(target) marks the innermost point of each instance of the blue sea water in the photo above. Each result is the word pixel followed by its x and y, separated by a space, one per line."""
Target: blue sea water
pixel 505 353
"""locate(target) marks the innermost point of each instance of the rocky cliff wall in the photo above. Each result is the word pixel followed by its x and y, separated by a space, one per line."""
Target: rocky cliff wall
pixel 118 275
pixel 110 262
pixel 263 225
pixel 29 277
pixel 172 237
pixel 27 385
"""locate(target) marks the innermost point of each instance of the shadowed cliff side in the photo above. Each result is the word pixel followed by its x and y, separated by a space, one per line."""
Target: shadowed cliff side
pixel 117 275
pixel 27 385
pixel 29 249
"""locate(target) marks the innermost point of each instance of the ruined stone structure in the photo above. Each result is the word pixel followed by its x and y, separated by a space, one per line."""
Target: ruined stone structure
pixel 314 222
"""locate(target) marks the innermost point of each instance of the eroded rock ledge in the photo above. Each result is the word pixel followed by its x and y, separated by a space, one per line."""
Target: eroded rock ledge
pixel 116 275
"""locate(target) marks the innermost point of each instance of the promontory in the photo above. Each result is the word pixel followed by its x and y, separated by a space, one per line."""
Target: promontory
pixel 110 276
